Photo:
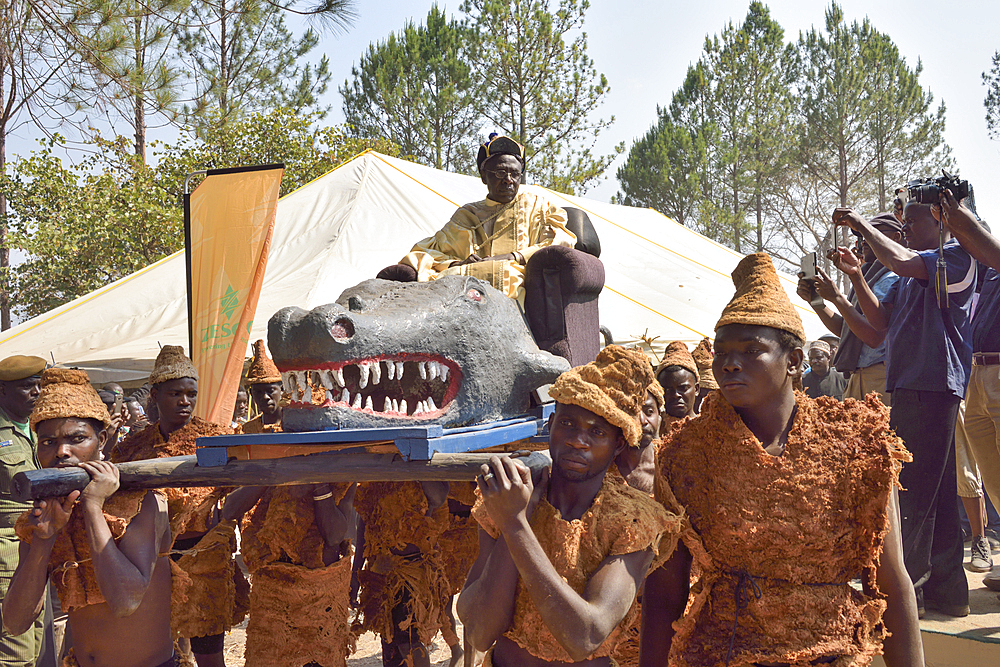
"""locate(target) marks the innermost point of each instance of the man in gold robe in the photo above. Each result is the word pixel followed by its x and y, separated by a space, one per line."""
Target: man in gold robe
pixel 493 239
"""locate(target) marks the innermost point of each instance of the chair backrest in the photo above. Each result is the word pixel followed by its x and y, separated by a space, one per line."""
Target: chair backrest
pixel 578 222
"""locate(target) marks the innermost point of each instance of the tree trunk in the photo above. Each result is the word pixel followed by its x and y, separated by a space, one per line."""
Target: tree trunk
pixel 140 102
pixel 4 250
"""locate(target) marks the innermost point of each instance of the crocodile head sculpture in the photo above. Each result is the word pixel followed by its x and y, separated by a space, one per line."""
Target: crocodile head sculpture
pixel 454 352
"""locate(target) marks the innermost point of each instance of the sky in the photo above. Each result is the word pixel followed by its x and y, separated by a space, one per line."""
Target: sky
pixel 645 46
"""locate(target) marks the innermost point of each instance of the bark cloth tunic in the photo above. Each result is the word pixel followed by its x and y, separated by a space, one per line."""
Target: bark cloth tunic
pixel 785 533
pixel 209 594
pixel 395 515
pixel 621 520
pixel 298 604
pixel 71 568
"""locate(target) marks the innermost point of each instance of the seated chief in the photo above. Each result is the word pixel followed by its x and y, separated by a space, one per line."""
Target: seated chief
pixel 493 239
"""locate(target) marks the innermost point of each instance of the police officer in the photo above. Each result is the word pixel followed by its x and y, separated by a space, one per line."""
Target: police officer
pixel 20 378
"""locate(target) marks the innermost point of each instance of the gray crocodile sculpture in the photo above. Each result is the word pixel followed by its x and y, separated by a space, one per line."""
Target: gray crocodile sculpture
pixel 454 352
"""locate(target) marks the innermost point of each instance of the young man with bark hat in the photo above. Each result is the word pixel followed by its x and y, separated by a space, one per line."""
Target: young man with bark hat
pixel 493 239
pixel 678 375
pixel 19 387
pixel 266 390
pixel 102 548
pixel 562 558
pixel 785 500
pixel 637 464
pixel 209 592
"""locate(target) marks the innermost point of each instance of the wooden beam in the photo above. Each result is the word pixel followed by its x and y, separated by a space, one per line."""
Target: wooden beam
pixel 182 471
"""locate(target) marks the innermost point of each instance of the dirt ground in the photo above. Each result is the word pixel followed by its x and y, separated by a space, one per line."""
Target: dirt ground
pixel 369 653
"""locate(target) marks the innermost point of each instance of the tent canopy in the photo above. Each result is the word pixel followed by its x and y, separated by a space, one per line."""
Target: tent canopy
pixel 664 281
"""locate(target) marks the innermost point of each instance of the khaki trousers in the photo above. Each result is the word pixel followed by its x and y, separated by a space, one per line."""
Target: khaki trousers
pixel 982 424
pixel 970 484
pixel 866 380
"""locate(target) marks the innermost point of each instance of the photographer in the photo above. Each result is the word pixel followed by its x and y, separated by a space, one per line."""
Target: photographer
pixel 862 349
pixel 983 397
pixel 928 359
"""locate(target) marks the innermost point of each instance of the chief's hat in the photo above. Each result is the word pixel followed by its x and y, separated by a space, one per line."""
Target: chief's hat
pixel 499 146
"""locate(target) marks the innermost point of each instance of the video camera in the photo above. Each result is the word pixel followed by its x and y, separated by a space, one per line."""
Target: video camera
pixel 928 191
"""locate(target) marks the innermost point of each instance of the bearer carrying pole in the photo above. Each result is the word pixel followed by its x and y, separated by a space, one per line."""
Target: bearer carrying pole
pixel 184 471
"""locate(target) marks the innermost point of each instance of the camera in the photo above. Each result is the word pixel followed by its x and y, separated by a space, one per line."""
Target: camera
pixel 928 191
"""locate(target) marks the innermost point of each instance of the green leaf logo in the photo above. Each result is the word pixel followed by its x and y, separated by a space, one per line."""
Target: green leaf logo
pixel 228 302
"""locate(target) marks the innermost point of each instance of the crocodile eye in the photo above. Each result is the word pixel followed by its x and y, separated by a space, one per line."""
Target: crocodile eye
pixel 474 295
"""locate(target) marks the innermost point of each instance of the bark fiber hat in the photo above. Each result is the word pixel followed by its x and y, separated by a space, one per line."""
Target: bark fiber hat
pixel 19 367
pixel 657 391
pixel 760 300
pixel 172 364
pixel 67 392
pixel 703 357
pixel 613 387
pixel 262 370
pixel 677 354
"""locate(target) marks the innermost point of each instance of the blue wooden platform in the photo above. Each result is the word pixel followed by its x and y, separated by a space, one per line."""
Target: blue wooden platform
pixel 415 443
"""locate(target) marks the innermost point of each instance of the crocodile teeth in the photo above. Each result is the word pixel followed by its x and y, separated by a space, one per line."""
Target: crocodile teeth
pixel 286 383
pixel 390 370
pixel 338 375
pixel 388 403
pixel 376 370
pixel 324 379
pixel 443 372
pixel 402 406
pixel 329 395
pixel 368 404
pixel 357 402
pixel 346 397
pixel 399 370
pixel 308 393
pixel 364 369
pixel 395 405
pixel 432 370
pixel 430 404
pixel 422 369
pixel 419 409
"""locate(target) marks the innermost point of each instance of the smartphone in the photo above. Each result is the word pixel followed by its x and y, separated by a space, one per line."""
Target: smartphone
pixel 807 266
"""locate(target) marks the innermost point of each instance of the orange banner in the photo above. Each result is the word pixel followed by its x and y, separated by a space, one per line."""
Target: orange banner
pixel 231 223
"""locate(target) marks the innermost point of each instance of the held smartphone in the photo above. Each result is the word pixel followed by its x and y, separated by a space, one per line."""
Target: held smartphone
pixel 808 266
pixel 807 269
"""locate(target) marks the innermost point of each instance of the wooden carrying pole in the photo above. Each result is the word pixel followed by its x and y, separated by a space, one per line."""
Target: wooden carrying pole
pixel 182 471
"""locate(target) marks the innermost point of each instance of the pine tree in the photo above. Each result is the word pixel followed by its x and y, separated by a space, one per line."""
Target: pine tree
pixel 243 58
pixel 544 90
pixel 416 88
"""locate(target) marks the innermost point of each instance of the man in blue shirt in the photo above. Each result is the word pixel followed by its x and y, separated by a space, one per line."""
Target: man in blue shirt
pixel 925 320
pixel 982 402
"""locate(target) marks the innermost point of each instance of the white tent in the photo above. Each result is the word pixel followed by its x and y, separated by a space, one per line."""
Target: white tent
pixel 663 280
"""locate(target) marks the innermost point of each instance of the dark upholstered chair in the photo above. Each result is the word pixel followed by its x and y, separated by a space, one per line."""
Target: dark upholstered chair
pixel 561 289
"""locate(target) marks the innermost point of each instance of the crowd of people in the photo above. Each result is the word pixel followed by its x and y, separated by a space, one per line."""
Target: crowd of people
pixel 699 511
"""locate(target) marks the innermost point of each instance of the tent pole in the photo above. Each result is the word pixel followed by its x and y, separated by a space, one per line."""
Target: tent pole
pixel 187 259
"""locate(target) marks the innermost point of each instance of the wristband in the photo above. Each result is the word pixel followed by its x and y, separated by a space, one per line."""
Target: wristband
pixel 328 494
